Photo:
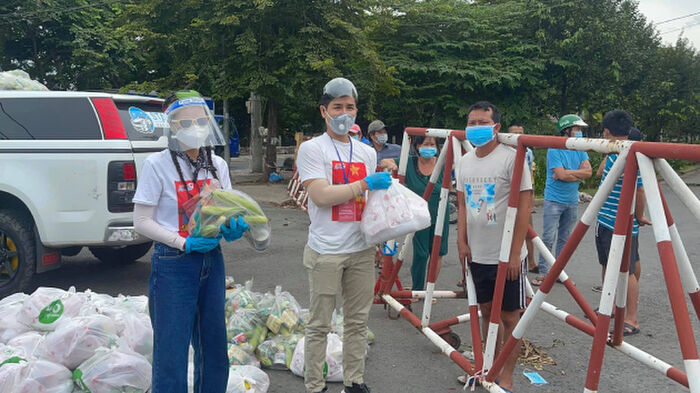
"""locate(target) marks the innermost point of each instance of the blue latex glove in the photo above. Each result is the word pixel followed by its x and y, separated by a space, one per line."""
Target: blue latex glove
pixel 235 229
pixel 201 244
pixel 378 181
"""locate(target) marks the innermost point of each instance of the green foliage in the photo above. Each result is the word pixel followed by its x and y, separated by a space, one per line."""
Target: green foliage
pixel 415 63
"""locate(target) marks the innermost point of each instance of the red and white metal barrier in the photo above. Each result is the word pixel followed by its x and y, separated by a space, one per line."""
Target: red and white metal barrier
pixel 675 262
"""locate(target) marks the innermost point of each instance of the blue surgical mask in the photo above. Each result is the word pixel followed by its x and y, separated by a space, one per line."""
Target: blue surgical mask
pixel 340 124
pixel 480 135
pixel 427 152
pixel 578 134
pixel 357 137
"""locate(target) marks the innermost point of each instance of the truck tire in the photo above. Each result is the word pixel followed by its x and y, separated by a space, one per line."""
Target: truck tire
pixel 17 252
pixel 121 255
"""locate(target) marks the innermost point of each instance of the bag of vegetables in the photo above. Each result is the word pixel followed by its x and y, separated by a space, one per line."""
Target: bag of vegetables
pixel 242 354
pixel 240 297
pixel 277 352
pixel 245 326
pixel 281 312
pixel 215 207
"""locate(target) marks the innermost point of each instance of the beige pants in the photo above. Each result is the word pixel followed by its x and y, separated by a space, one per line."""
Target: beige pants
pixel 329 274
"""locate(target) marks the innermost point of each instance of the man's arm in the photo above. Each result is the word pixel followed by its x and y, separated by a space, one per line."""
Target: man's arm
pixel 583 172
pixel 522 222
pixel 639 206
pixel 324 194
pixel 462 241
pixel 601 167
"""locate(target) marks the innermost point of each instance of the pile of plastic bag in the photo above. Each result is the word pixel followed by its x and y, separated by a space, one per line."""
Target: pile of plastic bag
pixel 58 341
pixel 19 80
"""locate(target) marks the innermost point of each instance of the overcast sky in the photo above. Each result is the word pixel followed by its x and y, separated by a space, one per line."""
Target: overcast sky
pixel 660 10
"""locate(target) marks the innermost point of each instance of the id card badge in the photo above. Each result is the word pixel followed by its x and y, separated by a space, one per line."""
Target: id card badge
pixel 352 209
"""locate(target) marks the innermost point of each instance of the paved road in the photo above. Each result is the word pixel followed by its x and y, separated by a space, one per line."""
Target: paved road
pixel 402 360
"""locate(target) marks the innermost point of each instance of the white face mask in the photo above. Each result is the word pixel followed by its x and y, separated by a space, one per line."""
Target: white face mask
pixel 382 138
pixel 192 138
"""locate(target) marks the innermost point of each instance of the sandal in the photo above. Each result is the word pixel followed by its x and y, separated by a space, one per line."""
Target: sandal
pixel 535 269
pixel 630 330
pixel 461 284
pixel 597 288
pixel 537 281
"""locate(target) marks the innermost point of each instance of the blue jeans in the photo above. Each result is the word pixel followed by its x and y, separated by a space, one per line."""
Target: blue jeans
pixel 186 300
pixel 559 219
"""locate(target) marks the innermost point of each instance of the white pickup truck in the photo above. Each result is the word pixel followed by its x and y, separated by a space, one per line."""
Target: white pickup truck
pixel 69 163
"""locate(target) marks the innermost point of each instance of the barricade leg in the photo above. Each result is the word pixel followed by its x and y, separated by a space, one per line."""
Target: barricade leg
pixel 439 222
pixel 690 282
pixel 587 219
pixel 679 308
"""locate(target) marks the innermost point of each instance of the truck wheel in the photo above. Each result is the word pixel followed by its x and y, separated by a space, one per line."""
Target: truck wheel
pixel 17 253
pixel 121 255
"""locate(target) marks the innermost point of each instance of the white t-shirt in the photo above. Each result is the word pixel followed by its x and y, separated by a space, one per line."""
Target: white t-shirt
pixel 336 230
pixel 159 185
pixel 486 184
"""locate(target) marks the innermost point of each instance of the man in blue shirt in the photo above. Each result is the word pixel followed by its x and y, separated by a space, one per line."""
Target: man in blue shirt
pixel 565 169
pixel 617 125
pixel 380 141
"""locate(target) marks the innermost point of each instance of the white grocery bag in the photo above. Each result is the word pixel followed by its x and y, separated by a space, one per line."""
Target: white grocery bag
pixel 247 379
pixel 10 326
pixel 28 341
pixel 75 340
pixel 47 307
pixel 333 366
pixel 45 377
pixel 114 370
pixel 392 213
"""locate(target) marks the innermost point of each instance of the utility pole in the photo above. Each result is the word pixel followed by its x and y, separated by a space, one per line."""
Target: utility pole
pixel 227 131
pixel 272 125
pixel 256 145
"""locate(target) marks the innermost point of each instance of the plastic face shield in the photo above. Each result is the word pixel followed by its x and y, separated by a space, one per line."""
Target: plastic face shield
pixel 340 87
pixel 191 125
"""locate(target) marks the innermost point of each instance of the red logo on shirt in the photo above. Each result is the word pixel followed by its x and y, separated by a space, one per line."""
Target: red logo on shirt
pixel 182 197
pixel 352 209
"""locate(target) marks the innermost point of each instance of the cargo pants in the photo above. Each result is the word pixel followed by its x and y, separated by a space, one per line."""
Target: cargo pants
pixel 352 275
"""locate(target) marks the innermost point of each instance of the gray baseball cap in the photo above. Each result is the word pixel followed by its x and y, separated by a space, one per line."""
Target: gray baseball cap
pixel 375 126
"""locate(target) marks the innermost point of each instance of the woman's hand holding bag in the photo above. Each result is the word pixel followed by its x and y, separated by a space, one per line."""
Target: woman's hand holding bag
pixel 235 229
pixel 201 244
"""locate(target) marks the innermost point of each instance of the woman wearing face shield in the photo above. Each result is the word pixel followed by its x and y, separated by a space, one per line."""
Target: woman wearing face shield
pixel 337 170
pixel 186 288
pixel 418 173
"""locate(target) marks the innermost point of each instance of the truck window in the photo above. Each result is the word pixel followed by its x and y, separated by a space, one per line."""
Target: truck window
pixel 48 118
pixel 143 121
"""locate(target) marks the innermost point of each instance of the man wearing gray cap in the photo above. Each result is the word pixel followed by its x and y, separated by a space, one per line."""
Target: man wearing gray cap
pixel 378 135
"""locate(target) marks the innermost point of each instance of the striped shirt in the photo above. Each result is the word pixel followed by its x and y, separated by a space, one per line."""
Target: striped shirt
pixel 607 214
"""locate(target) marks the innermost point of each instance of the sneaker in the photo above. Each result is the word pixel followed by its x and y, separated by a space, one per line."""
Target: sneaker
pixel 355 388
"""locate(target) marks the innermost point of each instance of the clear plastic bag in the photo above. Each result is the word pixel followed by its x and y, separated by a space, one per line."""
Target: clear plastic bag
pixel 45 377
pixel 138 333
pixel 281 312
pixel 240 297
pixel 247 379
pixel 333 367
pixel 114 370
pixel 11 375
pixel 19 80
pixel 242 354
pixel 47 307
pixel 392 213
pixel 246 326
pixel 277 352
pixel 215 207
pixel 77 339
pixel 28 341
pixel 10 326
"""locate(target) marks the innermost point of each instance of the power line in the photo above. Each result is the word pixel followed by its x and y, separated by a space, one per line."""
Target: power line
pixel 681 28
pixel 677 18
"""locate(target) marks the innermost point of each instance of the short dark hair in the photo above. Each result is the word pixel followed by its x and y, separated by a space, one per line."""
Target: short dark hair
pixel 515 124
pixel 618 122
pixel 418 140
pixel 486 106
pixel 635 134
pixel 325 100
